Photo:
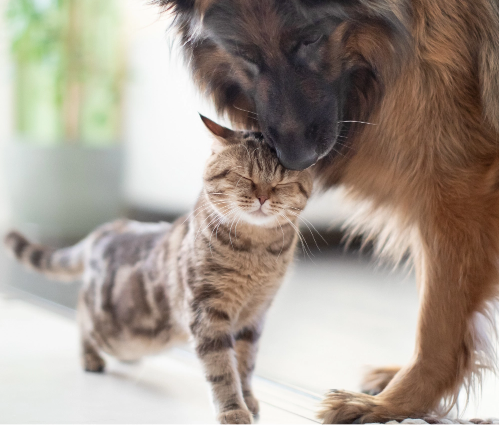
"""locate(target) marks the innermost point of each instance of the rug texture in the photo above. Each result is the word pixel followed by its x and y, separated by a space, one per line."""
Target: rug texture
pixel 432 421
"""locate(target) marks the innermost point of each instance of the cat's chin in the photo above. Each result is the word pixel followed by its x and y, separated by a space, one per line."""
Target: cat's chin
pixel 258 218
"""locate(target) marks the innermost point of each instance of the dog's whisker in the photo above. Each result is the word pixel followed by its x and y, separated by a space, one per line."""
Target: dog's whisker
pixel 245 110
pixel 359 122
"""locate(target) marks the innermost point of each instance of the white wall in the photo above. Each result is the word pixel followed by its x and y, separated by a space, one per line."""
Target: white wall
pixel 5 111
pixel 166 141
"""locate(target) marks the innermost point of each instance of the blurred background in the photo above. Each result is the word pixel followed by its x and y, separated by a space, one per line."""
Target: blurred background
pixel 99 119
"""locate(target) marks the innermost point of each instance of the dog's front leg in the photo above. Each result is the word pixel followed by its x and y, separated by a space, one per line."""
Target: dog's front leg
pixel 459 281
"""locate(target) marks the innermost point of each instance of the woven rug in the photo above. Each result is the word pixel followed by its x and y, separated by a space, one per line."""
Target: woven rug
pixel 432 420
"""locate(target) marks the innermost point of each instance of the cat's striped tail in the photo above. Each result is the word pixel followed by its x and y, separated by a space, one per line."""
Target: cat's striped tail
pixel 61 264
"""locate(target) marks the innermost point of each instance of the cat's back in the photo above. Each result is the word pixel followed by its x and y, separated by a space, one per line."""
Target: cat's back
pixel 127 242
pixel 124 299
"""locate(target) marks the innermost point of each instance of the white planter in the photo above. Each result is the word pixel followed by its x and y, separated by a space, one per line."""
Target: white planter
pixel 63 192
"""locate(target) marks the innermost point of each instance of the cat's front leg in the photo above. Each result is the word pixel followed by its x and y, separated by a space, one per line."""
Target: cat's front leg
pixel 215 348
pixel 246 346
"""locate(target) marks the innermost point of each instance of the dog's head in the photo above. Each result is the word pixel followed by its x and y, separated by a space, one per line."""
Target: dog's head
pixel 300 71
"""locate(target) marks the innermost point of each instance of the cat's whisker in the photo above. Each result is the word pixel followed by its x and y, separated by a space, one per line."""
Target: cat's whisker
pixel 230 240
pixel 217 230
pixel 208 217
pixel 226 214
pixel 306 221
pixel 293 208
pixel 310 231
pixel 202 208
pixel 211 234
pixel 217 214
pixel 304 251
pixel 205 210
pixel 283 245
pixel 236 219
pixel 301 237
pixel 212 220
pixel 216 227
pixel 239 217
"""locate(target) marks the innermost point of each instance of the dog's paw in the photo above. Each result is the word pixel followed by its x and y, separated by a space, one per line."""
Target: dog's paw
pixel 252 403
pixel 343 407
pixel 235 417
pixel 375 380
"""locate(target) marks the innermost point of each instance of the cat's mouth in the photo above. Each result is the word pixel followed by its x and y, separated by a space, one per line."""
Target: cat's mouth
pixel 258 217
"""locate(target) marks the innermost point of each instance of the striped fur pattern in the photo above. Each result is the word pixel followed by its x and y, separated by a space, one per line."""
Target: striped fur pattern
pixel 210 276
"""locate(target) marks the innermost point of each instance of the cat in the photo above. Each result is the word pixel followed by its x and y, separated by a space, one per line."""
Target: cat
pixel 210 276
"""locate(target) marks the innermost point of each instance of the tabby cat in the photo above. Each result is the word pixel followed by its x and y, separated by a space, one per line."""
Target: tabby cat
pixel 210 276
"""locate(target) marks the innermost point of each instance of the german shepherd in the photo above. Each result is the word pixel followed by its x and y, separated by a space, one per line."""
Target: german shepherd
pixel 397 100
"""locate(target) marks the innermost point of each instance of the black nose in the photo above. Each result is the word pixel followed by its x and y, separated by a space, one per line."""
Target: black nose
pixel 294 161
pixel 295 150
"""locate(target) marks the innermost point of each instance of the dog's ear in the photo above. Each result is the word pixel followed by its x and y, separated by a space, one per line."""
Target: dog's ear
pixel 223 136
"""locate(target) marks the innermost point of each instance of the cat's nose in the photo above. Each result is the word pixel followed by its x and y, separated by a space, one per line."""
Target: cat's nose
pixel 262 199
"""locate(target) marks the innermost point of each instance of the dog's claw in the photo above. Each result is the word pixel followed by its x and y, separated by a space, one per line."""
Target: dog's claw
pixel 344 407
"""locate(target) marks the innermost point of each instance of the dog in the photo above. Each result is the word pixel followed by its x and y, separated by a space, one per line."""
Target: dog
pixel 397 101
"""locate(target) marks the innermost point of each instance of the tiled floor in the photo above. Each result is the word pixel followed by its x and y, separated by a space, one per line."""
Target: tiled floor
pixel 331 318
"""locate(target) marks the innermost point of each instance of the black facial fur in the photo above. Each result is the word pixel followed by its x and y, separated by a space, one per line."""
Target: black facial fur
pixel 294 65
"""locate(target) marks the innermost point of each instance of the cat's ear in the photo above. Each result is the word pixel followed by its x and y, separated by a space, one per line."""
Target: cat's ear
pixel 222 134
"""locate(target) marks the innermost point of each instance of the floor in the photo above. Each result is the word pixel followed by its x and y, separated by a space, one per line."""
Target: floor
pixel 335 315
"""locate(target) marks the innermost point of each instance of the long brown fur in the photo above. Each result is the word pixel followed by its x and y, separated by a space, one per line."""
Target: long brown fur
pixel 425 172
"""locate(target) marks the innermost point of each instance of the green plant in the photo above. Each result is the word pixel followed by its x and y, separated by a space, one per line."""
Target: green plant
pixel 68 58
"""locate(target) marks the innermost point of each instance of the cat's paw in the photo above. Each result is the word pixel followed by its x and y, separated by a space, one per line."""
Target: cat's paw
pixel 239 416
pixel 93 363
pixel 252 403
pixel 375 380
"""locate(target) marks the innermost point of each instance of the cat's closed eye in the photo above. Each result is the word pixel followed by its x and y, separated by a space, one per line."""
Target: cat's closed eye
pixel 247 179
pixel 284 184
pixel 243 177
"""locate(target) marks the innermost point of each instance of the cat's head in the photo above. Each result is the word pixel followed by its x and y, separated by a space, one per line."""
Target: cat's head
pixel 243 179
